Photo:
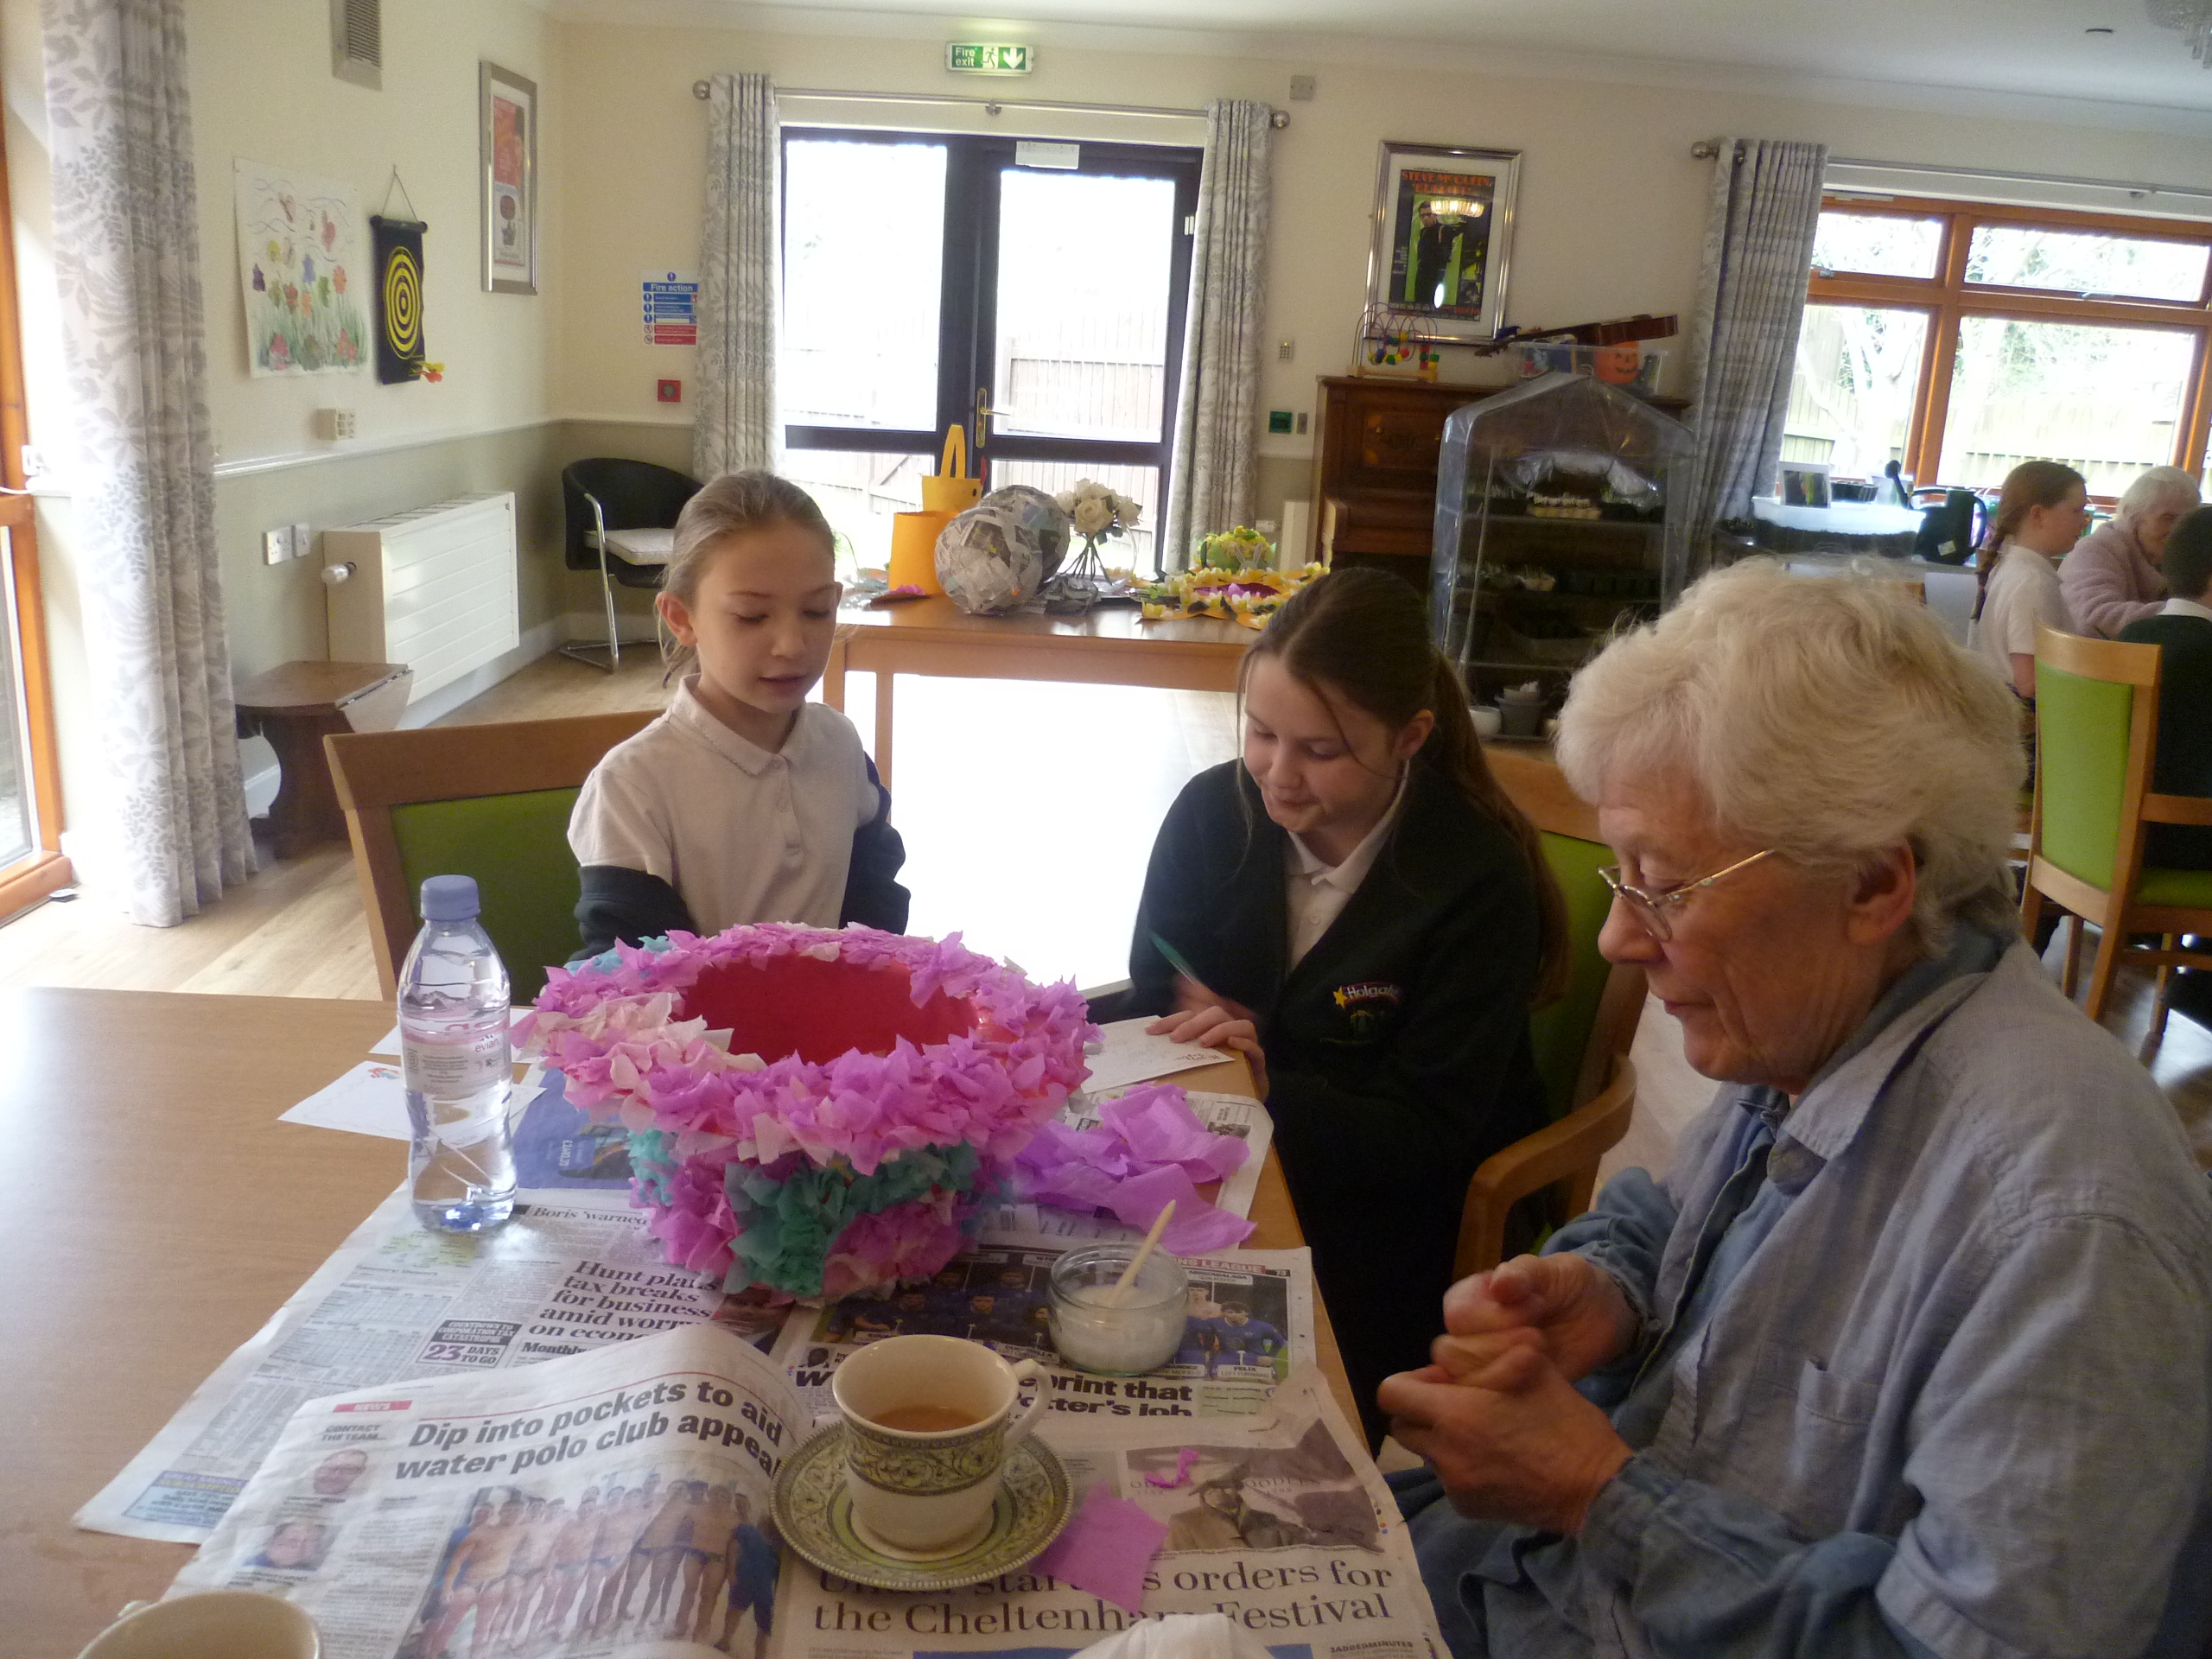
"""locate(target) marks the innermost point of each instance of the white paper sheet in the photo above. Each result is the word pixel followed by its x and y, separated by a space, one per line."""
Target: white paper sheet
pixel 368 1100
pixel 1128 1056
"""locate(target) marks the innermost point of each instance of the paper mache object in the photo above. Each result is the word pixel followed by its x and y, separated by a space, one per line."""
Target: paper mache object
pixel 812 1112
pixel 990 559
pixel 1041 517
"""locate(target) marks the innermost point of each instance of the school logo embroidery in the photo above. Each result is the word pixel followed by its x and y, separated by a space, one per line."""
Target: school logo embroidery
pixel 1366 1006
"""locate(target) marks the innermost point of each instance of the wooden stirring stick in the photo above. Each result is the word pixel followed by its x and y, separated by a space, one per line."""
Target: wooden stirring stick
pixel 1119 1295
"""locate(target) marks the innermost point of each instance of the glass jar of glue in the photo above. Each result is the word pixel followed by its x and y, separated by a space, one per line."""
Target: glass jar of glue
pixel 1124 1335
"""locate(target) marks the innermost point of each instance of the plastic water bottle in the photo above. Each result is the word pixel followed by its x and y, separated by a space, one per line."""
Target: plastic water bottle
pixel 458 1065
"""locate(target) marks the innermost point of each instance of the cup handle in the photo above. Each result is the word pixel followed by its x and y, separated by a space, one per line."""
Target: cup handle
pixel 1018 1429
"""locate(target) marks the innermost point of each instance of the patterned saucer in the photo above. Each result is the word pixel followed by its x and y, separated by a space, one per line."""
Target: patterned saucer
pixel 814 1514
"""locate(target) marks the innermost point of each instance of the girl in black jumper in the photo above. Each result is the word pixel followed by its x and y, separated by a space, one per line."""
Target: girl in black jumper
pixel 1357 907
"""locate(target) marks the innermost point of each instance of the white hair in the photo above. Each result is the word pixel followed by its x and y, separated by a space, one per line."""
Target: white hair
pixel 1830 719
pixel 2154 491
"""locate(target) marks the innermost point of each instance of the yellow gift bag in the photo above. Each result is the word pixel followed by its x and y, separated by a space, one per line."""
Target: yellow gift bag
pixel 913 535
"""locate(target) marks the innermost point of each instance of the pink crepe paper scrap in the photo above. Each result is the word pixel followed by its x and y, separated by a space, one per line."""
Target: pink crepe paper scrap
pixel 1184 1461
pixel 1147 1148
pixel 1105 1548
pixel 1199 1228
pixel 1159 1126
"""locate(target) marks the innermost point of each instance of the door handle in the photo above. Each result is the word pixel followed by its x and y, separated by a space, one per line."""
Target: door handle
pixel 983 413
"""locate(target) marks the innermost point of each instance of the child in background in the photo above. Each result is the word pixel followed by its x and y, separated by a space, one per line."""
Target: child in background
pixel 743 803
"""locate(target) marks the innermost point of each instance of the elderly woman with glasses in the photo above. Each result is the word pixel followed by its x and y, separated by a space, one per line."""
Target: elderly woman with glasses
pixel 1910 1350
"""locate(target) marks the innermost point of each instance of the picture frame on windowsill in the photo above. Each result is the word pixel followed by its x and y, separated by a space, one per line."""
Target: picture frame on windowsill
pixel 507 127
pixel 1442 238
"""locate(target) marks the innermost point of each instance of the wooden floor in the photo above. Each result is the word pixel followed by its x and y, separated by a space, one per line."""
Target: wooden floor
pixel 1028 811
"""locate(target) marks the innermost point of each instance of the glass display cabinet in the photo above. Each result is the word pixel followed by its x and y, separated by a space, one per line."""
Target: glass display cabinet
pixel 1551 524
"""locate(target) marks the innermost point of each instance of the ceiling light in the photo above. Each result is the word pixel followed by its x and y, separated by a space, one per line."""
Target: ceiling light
pixel 2192 18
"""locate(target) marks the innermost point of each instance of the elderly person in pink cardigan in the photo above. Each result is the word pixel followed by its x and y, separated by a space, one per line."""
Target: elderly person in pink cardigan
pixel 2110 578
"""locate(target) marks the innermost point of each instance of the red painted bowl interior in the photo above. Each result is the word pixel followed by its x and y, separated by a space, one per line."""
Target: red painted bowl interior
pixel 819 1010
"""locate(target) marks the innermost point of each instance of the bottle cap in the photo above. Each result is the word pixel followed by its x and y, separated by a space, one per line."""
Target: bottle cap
pixel 450 899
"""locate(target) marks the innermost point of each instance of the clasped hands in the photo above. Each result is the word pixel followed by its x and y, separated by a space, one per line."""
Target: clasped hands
pixel 1212 1021
pixel 1496 1414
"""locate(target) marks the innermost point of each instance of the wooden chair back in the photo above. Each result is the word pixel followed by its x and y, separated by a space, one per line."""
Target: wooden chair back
pixel 489 801
pixel 1582 1040
pixel 2096 756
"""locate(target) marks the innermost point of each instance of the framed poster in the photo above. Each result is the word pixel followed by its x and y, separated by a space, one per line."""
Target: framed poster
pixel 1443 229
pixel 507 118
pixel 300 263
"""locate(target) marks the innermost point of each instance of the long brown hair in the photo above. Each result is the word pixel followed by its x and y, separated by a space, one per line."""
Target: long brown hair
pixel 730 506
pixel 2031 484
pixel 1362 634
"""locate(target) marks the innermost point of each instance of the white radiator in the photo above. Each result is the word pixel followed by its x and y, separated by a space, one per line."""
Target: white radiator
pixel 433 587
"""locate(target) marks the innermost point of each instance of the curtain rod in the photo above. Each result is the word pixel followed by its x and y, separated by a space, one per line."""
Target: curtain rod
pixel 701 89
pixel 1706 149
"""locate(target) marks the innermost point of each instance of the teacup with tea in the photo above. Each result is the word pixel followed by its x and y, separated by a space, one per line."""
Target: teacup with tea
pixel 928 1423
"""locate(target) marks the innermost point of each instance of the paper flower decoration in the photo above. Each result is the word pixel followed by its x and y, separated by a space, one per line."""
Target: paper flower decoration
pixel 810 1111
pixel 1248 596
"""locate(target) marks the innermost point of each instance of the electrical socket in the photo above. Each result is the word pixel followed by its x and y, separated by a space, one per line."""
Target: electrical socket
pixel 277 544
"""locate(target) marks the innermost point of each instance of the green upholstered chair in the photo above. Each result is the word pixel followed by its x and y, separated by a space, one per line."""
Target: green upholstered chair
pixel 1582 1039
pixel 2096 752
pixel 489 801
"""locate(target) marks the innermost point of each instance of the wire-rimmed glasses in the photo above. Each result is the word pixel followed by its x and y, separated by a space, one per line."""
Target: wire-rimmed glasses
pixel 1651 909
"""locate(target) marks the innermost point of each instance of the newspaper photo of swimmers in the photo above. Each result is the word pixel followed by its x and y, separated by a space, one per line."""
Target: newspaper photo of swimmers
pixel 654 1554
pixel 1256 1498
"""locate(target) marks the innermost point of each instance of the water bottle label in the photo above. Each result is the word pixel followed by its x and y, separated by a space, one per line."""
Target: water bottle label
pixel 462 1067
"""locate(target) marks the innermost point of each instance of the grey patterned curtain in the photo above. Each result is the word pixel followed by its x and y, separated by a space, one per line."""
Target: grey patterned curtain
pixel 1764 207
pixel 1217 411
pixel 735 427
pixel 126 246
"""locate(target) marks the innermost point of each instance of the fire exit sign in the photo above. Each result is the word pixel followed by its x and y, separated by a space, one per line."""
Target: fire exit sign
pixel 989 58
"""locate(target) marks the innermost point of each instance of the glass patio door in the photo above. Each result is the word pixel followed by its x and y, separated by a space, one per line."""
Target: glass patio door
pixel 936 280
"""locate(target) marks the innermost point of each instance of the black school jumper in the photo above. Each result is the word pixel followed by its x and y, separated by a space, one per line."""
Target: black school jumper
pixel 1398 1053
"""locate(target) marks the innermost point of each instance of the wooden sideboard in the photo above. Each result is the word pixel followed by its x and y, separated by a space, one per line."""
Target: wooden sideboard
pixel 1374 465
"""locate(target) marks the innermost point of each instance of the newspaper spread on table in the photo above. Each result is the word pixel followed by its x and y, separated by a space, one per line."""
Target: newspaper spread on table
pixel 618 1501
pixel 399 1300
pixel 575 1269
pixel 1248 1326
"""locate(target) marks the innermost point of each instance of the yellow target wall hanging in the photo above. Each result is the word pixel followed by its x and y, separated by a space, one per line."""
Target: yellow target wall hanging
pixel 398 244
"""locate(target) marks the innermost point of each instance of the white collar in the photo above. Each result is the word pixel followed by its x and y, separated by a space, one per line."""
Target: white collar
pixel 688 715
pixel 2186 607
pixel 1348 875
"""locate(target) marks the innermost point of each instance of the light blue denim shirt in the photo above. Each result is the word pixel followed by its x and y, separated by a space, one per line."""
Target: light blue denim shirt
pixel 1926 1366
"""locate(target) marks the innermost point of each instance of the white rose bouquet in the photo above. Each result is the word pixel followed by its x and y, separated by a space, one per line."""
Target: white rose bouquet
pixel 1098 511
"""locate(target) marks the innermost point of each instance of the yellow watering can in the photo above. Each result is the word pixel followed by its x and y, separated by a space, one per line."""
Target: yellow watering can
pixel 913 535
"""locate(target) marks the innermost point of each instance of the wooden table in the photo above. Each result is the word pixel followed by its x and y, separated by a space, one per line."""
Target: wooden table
pixel 293 706
pixel 155 1115
pixel 1111 645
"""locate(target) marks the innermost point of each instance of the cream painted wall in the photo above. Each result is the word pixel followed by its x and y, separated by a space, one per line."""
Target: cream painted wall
pixel 1612 205
pixel 262 90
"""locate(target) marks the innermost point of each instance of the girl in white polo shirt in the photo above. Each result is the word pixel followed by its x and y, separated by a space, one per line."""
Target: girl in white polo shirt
pixel 744 802
pixel 2040 515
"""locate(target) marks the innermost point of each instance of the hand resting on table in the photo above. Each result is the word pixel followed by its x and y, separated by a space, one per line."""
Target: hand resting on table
pixel 1214 1022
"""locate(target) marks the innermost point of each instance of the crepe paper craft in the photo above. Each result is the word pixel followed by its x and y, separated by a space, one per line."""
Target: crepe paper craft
pixel 1128 1053
pixel 370 1099
pixel 1248 596
pixel 1104 1548
pixel 809 1111
pixel 1149 1148
pixel 1185 1460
